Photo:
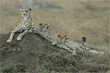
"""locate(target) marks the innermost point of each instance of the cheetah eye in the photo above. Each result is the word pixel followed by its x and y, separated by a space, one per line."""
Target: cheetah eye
pixel 26 11
pixel 67 38
pixel 59 35
pixel 64 35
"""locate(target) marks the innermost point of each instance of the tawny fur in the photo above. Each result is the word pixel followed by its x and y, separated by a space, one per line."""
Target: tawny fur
pixel 42 30
pixel 62 39
pixel 72 46
pixel 26 25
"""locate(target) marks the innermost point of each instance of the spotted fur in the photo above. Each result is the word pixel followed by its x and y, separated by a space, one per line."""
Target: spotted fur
pixel 65 40
pixel 64 44
pixel 26 25
pixel 42 29
pixel 62 37
pixel 44 26
pixel 72 46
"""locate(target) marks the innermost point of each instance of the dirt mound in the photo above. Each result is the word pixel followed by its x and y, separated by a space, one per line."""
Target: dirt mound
pixel 34 54
pixel 38 4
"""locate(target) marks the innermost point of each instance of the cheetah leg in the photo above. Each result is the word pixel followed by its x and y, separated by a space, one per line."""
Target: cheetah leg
pixel 12 35
pixel 34 28
pixel 22 34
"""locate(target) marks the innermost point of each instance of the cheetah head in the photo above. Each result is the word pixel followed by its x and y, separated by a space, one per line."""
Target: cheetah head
pixel 62 37
pixel 25 13
pixel 44 26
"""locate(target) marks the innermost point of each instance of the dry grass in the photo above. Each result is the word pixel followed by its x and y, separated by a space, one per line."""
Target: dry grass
pixel 76 19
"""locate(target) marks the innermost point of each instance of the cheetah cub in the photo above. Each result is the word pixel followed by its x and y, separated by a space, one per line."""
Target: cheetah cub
pixel 43 27
pixel 42 30
pixel 62 37
pixel 26 25
pixel 71 44
pixel 63 43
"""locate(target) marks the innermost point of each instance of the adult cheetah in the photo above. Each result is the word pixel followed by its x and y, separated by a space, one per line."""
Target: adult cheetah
pixel 26 25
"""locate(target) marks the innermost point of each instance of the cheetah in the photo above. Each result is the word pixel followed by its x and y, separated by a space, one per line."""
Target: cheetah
pixel 62 39
pixel 43 27
pixel 73 46
pixel 26 25
pixel 65 40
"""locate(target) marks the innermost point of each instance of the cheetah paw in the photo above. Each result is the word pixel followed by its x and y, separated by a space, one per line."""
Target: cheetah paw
pixel 8 40
pixel 54 43
pixel 18 38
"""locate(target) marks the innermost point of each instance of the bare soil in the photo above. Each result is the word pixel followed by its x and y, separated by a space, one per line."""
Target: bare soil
pixel 36 55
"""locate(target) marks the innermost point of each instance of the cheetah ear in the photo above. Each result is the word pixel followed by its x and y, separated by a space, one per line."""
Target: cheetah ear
pixel 67 38
pixel 65 35
pixel 30 9
pixel 47 23
pixel 40 24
